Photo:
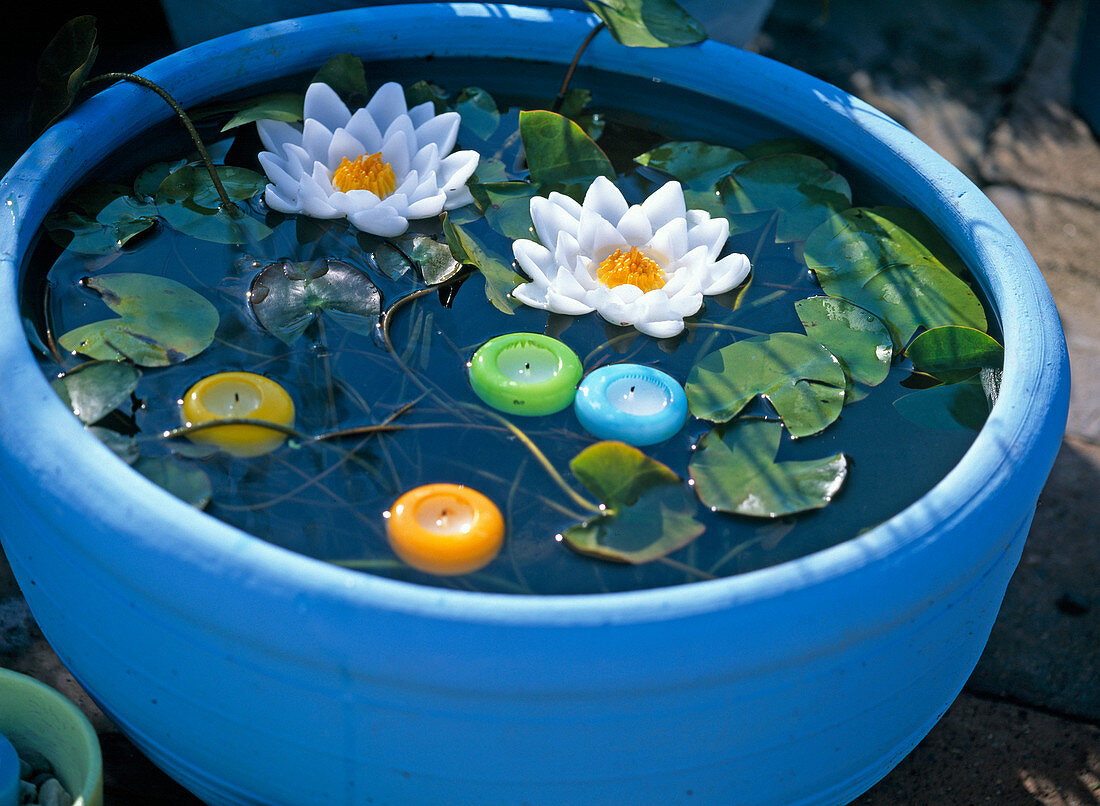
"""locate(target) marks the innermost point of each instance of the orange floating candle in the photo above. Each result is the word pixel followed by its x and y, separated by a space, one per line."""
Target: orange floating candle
pixel 445 529
pixel 235 396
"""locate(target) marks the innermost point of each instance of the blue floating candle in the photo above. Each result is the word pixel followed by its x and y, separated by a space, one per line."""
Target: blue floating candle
pixel 632 403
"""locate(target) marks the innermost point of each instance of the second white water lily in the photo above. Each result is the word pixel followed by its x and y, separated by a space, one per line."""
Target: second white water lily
pixel 380 167
pixel 648 265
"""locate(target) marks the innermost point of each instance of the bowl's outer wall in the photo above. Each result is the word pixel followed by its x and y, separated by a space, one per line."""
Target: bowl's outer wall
pixel 257 676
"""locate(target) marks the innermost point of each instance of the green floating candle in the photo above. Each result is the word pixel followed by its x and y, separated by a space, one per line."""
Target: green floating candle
pixel 525 373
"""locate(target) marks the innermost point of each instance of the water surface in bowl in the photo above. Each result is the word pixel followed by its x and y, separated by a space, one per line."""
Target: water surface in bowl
pixel 327 499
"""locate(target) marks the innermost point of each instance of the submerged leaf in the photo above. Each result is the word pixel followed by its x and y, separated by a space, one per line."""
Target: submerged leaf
pixel 650 513
pixel 62 70
pixel 697 165
pixel 495 266
pixel 190 484
pixel 855 336
pixel 96 389
pixel 478 111
pixel 804 190
pixel 875 259
pixel 648 23
pixel 952 406
pixel 734 470
pixel 559 152
pixel 802 380
pixel 286 297
pixel 953 353
pixel 506 206
pixel 109 231
pixel 160 321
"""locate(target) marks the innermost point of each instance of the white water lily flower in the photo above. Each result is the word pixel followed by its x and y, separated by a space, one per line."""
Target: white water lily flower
pixel 647 265
pixel 380 167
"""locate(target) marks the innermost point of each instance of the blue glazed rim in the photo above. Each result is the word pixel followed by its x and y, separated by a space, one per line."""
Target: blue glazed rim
pixel 1026 423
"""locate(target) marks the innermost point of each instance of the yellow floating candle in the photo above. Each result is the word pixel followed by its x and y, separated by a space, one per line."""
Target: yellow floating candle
pixel 235 396
pixel 445 529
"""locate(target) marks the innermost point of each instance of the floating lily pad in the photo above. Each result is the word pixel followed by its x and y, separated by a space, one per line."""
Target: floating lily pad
pixel 648 23
pixel 424 91
pixel 804 191
pixel 287 296
pixel 188 201
pixel 285 106
pixel 872 258
pixel 108 231
pixel 96 389
pixel 185 482
pixel 507 207
pixel 478 111
pixel 62 70
pixel 857 337
pixel 952 354
pixel 576 100
pixel 698 166
pixel 734 470
pixel 951 406
pixel 650 512
pixel 789 145
pixel 494 265
pixel 124 447
pixel 559 152
pixel 344 72
pixel 160 321
pixel 150 178
pixel 802 380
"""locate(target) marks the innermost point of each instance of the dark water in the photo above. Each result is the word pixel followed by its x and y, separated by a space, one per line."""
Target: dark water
pixel 326 499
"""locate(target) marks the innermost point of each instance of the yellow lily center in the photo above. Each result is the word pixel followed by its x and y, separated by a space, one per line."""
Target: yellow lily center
pixel 632 267
pixel 365 172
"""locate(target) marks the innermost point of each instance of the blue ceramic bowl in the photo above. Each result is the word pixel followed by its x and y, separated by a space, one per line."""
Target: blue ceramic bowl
pixel 255 675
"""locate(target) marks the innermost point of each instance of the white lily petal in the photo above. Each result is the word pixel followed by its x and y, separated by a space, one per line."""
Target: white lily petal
pixel 670 242
pixel 279 203
pixel 662 329
pixel 712 233
pixel 458 198
pixel 403 124
pixel 560 303
pixel 530 294
pixel 422 113
pixel 343 145
pixel 567 250
pixel 726 274
pixel 426 159
pixel 441 130
pixel 427 186
pixel 565 282
pixel 274 134
pixel 456 169
pixel 426 207
pixel 366 131
pixel 634 226
pixel 324 105
pixel 395 151
pixel 597 236
pixel 665 205
pixel 360 200
pixel 315 140
pixel 322 178
pixel 606 200
pixel 314 202
pixel 297 159
pixel 382 220
pixel 387 104
pixel 276 170
pixel 535 260
pixel 550 219
pixel 408 183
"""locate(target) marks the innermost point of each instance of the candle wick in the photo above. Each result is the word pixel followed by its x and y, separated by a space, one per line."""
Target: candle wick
pixel 236 397
pixel 631 390
pixel 527 365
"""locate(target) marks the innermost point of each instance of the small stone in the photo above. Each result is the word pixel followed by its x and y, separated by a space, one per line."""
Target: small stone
pixel 52 793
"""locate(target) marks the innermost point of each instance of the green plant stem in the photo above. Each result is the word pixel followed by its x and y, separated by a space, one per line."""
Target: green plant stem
pixel 227 203
pixel 560 99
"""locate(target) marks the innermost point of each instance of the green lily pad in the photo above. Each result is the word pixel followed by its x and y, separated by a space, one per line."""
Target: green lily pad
pixel 857 337
pixel 108 231
pixel 494 265
pixel 62 70
pixel 506 206
pixel 648 23
pixel 189 484
pixel 96 389
pixel 804 190
pixel 287 296
pixel 424 91
pixel 952 354
pixel 160 321
pixel 478 111
pixel 734 470
pixel 802 380
pixel 698 166
pixel 285 106
pixel 789 145
pixel 951 406
pixel 124 447
pixel 559 152
pixel 434 259
pixel 873 258
pixel 344 72
pixel 574 103
pixel 188 201
pixel 650 513
pixel 150 177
